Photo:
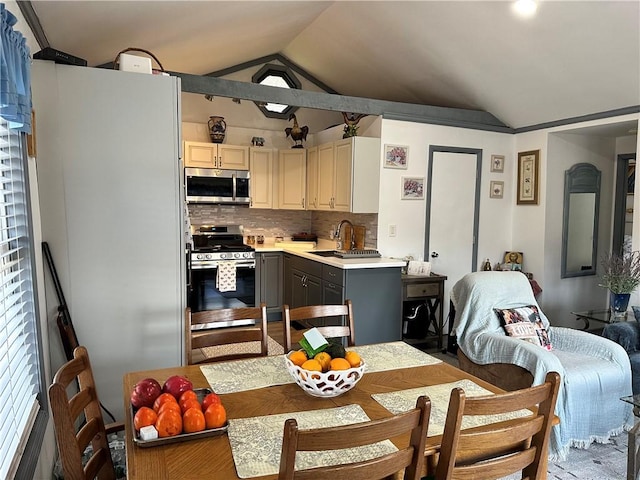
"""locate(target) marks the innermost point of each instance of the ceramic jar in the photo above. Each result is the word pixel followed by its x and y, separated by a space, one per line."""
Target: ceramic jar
pixel 217 129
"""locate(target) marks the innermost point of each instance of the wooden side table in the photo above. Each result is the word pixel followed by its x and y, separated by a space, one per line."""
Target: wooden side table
pixel 430 291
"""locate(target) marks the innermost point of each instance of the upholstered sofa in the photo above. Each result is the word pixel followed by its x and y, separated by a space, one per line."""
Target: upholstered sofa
pixel 627 334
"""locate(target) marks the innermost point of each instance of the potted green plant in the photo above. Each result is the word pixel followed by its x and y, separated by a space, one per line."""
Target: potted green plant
pixel 621 276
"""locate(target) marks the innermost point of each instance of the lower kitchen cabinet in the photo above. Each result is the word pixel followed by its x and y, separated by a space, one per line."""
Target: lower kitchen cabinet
pixel 376 294
pixel 269 282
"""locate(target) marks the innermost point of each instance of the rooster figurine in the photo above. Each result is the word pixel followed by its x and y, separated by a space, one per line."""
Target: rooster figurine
pixel 297 133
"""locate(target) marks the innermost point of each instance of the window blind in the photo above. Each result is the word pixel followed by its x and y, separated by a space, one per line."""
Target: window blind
pixel 20 375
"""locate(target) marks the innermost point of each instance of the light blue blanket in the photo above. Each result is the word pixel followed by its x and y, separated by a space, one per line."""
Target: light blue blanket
pixel 595 371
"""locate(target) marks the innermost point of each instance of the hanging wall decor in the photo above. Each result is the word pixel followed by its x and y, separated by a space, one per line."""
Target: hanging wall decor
pixel 396 156
pixel 497 163
pixel 496 189
pixel 528 177
pixel 412 188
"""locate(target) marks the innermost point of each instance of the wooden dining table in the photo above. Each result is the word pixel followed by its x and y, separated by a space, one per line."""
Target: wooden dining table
pixel 211 457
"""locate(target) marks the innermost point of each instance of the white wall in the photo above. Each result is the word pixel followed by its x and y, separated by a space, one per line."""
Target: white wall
pixel 537 229
pixel 561 296
pixel 409 216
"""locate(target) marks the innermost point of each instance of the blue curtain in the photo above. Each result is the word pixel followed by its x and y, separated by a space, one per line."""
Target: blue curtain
pixel 15 74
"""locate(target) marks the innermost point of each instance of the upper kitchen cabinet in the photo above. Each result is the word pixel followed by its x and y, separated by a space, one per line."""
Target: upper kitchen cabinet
pixel 348 175
pixel 326 177
pixel 312 178
pixel 292 178
pixel 216 155
pixel 262 177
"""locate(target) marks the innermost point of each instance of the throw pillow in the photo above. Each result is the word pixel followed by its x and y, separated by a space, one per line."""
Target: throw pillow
pixel 636 313
pixel 525 323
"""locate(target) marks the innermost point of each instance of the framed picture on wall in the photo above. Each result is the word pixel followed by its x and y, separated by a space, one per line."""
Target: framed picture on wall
pixel 396 156
pixel 412 188
pixel 497 163
pixel 496 189
pixel 528 177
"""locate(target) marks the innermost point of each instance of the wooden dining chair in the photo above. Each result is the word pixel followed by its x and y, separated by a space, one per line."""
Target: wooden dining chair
pixel 227 338
pixel 303 314
pixel 499 449
pixel 82 408
pixel 409 458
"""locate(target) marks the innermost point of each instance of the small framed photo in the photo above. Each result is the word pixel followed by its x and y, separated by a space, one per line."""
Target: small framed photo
pixel 528 177
pixel 513 258
pixel 412 188
pixel 396 156
pixel 497 163
pixel 496 189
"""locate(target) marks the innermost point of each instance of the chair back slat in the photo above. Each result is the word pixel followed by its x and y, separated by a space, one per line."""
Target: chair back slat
pixel 83 407
pixel 212 337
pixel 498 449
pixel 315 312
pixel 409 458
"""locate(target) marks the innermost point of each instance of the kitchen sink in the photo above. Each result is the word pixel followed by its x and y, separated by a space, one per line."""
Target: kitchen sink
pixel 326 253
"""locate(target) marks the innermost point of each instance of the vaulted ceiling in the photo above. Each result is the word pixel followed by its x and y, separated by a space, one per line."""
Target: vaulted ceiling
pixel 573 58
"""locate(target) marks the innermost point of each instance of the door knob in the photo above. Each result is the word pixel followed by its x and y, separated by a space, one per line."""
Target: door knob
pixel 435 254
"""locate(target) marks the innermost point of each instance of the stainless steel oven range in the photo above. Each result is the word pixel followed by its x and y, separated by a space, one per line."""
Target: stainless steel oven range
pixel 218 250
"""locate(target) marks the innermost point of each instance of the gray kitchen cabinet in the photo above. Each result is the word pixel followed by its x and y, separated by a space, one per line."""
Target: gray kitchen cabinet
pixel 269 276
pixel 306 282
pixel 332 287
pixel 376 294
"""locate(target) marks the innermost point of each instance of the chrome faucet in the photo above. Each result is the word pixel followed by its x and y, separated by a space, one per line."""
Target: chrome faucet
pixel 338 234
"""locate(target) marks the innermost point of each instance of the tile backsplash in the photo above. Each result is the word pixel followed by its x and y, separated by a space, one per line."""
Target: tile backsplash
pixel 284 223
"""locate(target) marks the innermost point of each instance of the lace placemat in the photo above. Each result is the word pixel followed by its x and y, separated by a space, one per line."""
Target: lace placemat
pixel 256 442
pixel 249 374
pixel 404 400
pixel 254 373
pixel 393 356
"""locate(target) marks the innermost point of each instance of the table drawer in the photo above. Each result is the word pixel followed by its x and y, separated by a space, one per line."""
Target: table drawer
pixel 418 290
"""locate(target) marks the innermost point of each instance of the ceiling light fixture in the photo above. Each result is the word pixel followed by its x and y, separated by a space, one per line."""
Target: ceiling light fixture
pixel 525 8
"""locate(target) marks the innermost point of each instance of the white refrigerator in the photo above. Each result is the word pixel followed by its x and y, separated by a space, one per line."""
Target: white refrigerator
pixel 110 188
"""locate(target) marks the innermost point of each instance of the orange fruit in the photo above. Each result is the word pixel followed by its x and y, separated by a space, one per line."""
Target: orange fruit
pixel 353 358
pixel 190 403
pixel 210 399
pixel 169 406
pixel 298 357
pixel 312 365
pixel 144 417
pixel 162 398
pixel 186 395
pixel 169 424
pixel 215 416
pixel 325 359
pixel 339 364
pixel 193 420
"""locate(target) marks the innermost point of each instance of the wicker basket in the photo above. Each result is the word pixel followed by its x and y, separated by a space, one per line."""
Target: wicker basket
pixel 328 384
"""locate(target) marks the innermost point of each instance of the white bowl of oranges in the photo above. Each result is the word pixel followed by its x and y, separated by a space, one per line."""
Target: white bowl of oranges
pixel 322 375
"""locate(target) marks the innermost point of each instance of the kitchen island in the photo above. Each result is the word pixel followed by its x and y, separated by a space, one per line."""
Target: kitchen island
pixel 296 276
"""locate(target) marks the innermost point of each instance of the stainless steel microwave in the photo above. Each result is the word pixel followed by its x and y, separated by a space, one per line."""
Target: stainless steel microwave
pixel 210 185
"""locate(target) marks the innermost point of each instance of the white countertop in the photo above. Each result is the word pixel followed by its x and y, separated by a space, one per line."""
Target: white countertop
pixel 344 263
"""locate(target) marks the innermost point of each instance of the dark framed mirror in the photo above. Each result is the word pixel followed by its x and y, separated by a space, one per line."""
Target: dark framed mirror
pixel 580 220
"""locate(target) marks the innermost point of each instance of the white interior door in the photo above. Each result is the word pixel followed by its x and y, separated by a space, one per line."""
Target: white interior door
pixel 452 214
